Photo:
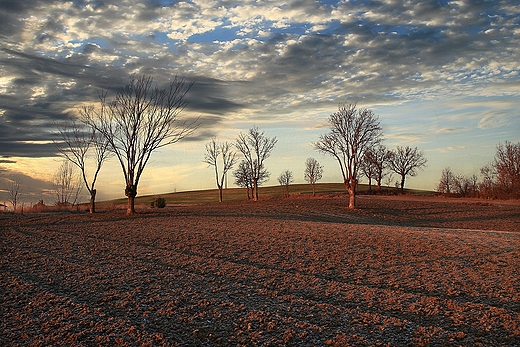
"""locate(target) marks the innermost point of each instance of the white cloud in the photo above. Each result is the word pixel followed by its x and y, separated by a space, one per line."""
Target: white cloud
pixel 273 62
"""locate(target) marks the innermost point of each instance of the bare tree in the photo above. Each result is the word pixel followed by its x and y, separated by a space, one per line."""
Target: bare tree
pixel 368 169
pixel 14 192
pixel 447 181
pixel 66 184
pixel 256 148
pixel 406 161
pixel 76 142
pixel 313 173
pixel 285 179
pixel 142 118
pixel 215 150
pixel 244 179
pixel 353 132
pixel 377 158
pixel 507 168
pixel 487 186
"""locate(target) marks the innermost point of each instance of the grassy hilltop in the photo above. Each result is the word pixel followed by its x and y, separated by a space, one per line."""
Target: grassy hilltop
pixel 236 194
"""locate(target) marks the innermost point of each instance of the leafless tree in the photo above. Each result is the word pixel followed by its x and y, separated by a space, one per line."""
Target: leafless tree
pixel 214 151
pixel 389 179
pixel 367 168
pixel 244 179
pixel 353 132
pixel 14 192
pixel 140 119
pixel 76 143
pixel 487 186
pixel 377 159
pixel 313 173
pixel 507 168
pixel 406 161
pixel 66 184
pixel 447 181
pixel 256 148
pixel 285 179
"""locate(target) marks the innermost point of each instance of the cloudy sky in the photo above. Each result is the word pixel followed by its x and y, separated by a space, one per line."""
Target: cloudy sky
pixel 442 75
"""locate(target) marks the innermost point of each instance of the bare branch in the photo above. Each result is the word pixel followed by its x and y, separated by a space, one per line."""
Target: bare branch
pixel 353 132
pixel 256 148
pixel 140 119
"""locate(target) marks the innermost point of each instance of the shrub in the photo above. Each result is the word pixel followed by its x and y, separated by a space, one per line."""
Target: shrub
pixel 158 202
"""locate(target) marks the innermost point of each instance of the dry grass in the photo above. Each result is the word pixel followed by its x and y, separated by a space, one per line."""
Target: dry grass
pixel 280 272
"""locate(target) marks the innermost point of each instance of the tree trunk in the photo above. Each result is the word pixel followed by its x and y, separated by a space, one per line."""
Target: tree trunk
pixel 351 187
pixel 220 194
pixel 352 198
pixel 131 193
pixel 93 201
pixel 313 191
pixel 130 209
pixel 255 190
pixel 402 182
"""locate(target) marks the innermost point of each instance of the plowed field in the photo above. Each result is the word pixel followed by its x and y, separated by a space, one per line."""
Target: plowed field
pixel 299 271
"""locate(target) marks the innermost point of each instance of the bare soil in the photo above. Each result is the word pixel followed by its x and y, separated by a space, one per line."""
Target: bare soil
pixel 300 271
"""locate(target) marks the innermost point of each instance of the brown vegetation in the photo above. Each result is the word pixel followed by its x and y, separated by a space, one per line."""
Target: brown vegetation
pixel 298 271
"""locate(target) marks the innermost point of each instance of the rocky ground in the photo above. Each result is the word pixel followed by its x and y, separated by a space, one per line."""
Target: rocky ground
pixel 299 271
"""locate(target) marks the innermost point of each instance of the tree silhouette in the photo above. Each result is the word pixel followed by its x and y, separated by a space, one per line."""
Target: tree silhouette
pixel 406 161
pixel 256 148
pixel 285 179
pixel 66 184
pixel 353 132
pixel 244 179
pixel 75 143
pixel 313 173
pixel 140 119
pixel 507 168
pixel 214 151
pixel 447 181
pixel 374 163
pixel 14 191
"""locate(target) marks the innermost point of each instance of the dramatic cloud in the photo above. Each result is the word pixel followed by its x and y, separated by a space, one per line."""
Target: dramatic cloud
pixel 261 62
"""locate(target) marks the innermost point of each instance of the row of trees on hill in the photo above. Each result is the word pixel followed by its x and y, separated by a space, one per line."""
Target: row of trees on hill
pixel 143 117
pixel 354 140
pixel 500 179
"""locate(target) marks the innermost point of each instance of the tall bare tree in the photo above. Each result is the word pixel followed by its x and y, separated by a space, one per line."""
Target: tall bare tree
pixel 214 151
pixel 256 148
pixel 66 184
pixel 313 173
pixel 76 143
pixel 353 132
pixel 140 119
pixel 285 179
pixel 406 161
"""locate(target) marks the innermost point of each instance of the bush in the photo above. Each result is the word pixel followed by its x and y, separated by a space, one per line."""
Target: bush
pixel 158 202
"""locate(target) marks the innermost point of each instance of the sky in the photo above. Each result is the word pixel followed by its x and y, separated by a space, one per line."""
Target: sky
pixel 441 75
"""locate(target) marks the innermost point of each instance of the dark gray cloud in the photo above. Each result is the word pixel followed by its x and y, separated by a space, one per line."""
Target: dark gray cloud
pixel 262 59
